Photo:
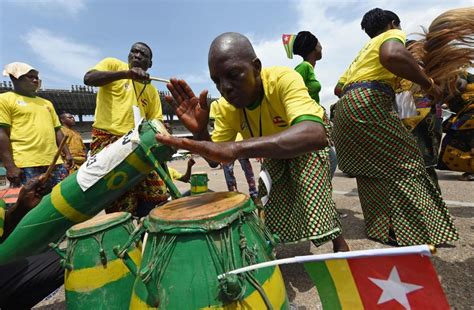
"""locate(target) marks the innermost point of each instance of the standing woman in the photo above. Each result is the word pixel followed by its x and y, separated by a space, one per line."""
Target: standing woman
pixel 399 200
pixel 308 46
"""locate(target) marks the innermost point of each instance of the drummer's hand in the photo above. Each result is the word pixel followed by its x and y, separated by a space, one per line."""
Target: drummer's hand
pixel 225 152
pixel 191 110
pixel 31 194
pixel 14 176
pixel 138 74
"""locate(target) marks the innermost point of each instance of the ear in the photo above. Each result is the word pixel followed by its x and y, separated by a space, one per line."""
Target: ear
pixel 150 64
pixel 257 64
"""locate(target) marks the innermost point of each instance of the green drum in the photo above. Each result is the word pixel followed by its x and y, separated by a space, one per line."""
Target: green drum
pixel 191 241
pixel 86 192
pixel 198 183
pixel 95 278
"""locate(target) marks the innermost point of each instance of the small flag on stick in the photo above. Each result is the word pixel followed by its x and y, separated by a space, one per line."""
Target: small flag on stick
pixel 288 40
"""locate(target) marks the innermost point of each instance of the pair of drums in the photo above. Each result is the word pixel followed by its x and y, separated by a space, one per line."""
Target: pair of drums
pixel 190 241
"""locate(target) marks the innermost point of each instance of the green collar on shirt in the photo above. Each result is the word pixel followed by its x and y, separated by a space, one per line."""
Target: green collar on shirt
pixel 255 105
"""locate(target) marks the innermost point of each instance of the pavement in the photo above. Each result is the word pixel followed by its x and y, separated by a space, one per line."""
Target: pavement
pixel 454 262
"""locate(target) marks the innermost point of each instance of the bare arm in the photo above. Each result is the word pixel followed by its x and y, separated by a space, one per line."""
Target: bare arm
pixel 6 155
pixel 301 138
pixel 68 156
pixel 398 60
pixel 185 177
pixel 101 78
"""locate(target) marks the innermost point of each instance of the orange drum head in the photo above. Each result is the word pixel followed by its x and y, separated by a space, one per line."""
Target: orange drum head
pixel 199 207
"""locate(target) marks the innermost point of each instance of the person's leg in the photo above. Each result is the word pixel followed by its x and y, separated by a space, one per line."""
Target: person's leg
pixel 332 160
pixel 25 282
pixel 59 173
pixel 248 171
pixel 28 173
pixel 229 177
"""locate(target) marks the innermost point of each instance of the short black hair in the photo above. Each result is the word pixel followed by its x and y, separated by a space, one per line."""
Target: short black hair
pixel 376 20
pixel 304 43
pixel 145 45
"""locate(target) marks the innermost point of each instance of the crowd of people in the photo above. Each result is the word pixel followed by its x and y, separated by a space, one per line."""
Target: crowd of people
pixel 273 113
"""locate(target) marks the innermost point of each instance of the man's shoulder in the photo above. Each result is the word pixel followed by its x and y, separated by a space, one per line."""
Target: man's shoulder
pixel 111 62
pixel 274 77
pixel 7 96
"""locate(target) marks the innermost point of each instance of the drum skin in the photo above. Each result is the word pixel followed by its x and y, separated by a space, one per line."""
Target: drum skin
pixel 183 257
pixel 68 204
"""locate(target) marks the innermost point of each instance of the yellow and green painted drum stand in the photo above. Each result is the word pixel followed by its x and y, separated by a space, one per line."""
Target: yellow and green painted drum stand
pixel 198 182
pixel 194 239
pixel 68 204
pixel 95 278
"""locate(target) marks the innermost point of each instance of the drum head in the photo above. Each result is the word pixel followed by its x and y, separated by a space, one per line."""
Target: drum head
pixel 205 210
pixel 98 223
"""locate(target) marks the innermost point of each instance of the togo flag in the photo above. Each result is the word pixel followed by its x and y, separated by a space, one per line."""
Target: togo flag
pixel 288 40
pixel 397 278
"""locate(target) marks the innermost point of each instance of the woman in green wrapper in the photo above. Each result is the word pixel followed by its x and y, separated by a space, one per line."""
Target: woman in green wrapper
pixel 399 200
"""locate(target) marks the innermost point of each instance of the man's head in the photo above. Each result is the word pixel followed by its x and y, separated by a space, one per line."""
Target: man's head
pixel 24 77
pixel 140 56
pixel 235 69
pixel 377 21
pixel 67 119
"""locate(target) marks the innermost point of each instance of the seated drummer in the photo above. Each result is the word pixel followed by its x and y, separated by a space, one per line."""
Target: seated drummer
pixel 278 120
pixel 25 282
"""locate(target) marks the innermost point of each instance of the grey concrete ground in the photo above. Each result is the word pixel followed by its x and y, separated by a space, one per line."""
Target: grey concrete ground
pixel 454 263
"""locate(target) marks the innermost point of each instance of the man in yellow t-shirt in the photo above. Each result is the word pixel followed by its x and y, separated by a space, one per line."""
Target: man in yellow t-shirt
pixel 125 96
pixel 278 120
pixel 29 129
pixel 74 142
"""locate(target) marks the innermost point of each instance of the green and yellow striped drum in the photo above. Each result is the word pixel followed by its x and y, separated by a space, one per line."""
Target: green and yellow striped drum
pixel 95 278
pixel 194 239
pixel 198 183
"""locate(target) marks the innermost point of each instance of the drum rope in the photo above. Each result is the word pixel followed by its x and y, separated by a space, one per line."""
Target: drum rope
pixel 99 238
pixel 157 266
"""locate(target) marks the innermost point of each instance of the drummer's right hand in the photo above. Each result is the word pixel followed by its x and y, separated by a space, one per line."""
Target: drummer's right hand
pixel 14 176
pixel 191 110
pixel 31 193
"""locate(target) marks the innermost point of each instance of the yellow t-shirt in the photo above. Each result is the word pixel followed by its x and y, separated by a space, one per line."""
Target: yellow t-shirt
pixel 174 174
pixel 286 99
pixel 33 123
pixel 113 112
pixel 2 215
pixel 366 66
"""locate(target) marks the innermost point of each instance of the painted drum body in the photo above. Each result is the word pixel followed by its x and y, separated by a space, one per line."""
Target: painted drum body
pixel 95 278
pixel 194 239
pixel 198 183
pixel 69 203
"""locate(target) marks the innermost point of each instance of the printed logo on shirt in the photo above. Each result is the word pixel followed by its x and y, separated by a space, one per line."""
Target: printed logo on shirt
pixel 21 103
pixel 126 86
pixel 144 102
pixel 278 121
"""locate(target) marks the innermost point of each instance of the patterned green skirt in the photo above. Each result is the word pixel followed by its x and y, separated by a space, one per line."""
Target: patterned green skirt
pixel 300 205
pixel 395 190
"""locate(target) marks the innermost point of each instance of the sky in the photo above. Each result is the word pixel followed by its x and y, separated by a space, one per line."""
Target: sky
pixel 65 38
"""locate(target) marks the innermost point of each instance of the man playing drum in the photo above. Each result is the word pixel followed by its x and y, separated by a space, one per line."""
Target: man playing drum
pixel 278 120
pixel 125 94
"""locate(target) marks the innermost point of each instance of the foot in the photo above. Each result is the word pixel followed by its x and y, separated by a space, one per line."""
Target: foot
pixel 339 245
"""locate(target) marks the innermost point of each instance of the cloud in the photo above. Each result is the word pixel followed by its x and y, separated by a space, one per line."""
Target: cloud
pixel 70 7
pixel 61 54
pixel 337 26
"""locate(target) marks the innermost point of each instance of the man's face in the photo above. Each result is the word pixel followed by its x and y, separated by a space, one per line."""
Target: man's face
pixel 139 57
pixel 30 81
pixel 237 80
pixel 68 120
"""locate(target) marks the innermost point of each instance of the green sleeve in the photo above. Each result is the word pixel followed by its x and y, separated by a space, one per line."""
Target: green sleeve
pixel 307 117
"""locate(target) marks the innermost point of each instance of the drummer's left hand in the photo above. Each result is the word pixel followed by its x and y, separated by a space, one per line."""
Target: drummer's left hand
pixel 225 152
pixel 31 193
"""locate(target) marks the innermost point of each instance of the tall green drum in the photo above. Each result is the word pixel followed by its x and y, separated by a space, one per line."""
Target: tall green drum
pixel 194 239
pixel 95 278
pixel 198 183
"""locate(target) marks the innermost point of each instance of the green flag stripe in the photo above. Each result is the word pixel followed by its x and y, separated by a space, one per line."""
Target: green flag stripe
pixel 321 277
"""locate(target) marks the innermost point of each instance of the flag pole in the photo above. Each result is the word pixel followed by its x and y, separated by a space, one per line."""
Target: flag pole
pixel 427 250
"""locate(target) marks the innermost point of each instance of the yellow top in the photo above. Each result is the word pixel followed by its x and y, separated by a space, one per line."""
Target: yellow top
pixel 33 124
pixel 366 66
pixel 286 102
pixel 174 174
pixel 74 142
pixel 113 112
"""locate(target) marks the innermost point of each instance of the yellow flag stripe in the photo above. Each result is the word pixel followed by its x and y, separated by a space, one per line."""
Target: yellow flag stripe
pixel 136 162
pixel 274 287
pixel 63 207
pixel 347 291
pixel 89 279
pixel 137 303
